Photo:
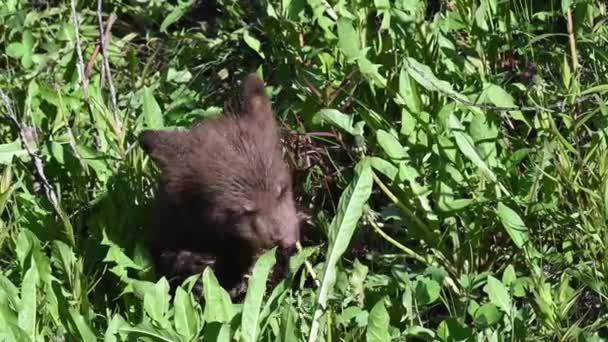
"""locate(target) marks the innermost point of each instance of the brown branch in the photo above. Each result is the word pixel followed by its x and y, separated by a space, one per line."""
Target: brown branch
pixel 109 24
pixel 569 27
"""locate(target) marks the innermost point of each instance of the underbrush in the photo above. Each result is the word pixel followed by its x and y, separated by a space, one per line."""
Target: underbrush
pixel 452 157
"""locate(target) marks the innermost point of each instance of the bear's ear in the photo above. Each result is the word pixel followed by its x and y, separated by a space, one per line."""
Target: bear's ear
pixel 255 102
pixel 163 146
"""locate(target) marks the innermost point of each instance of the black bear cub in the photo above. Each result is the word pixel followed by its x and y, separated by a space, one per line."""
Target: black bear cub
pixel 224 194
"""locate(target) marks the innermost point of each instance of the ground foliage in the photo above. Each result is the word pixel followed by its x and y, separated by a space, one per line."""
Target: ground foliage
pixel 452 156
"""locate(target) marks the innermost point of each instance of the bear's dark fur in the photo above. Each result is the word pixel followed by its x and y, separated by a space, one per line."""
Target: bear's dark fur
pixel 224 195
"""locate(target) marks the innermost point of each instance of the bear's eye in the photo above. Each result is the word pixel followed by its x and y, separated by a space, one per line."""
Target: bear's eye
pixel 248 209
pixel 280 191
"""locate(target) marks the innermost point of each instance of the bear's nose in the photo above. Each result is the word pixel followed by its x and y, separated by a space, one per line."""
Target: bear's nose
pixel 288 246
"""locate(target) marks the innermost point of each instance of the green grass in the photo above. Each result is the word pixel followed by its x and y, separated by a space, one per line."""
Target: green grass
pixel 452 155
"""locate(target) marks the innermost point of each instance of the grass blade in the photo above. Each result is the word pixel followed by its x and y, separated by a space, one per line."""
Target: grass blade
pixel 350 209
pixel 250 319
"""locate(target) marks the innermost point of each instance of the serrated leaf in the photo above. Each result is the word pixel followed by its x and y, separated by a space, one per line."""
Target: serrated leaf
pixel 378 323
pixel 498 294
pixel 152 113
pixel 250 320
pixel 114 327
pixel 156 302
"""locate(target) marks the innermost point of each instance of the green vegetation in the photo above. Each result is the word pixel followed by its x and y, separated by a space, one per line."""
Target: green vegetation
pixel 452 155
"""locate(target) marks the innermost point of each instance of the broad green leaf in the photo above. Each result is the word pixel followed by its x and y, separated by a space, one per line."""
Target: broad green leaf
pixel 84 330
pixel 357 280
pixel 29 297
pixel 25 244
pixel 370 71
pixel 156 302
pixel 175 14
pixel 566 4
pixel 253 43
pixel 385 167
pixel 407 172
pixel 10 291
pixel 410 97
pixel 114 327
pixel 8 315
pixel 508 275
pixel 153 333
pixel 467 147
pixel 422 333
pixel 274 299
pixel 427 291
pixel 64 257
pixel 289 330
pixel 185 316
pixel 500 98
pixel 218 306
pixel 485 134
pixel 487 315
pixel 217 332
pixel 338 119
pixel 14 50
pixel 250 320
pixel 481 16
pixel 11 150
pixel 16 333
pixel 348 40
pixel 378 323
pixel 342 227
pixel 513 224
pixel 182 76
pixel 152 113
pixel 426 78
pixel 498 294
pixel 391 146
pixel 453 330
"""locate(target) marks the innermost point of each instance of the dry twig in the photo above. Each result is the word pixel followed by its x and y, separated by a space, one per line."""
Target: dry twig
pixel 106 66
pixel 38 165
pixel 81 70
pixel 83 80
